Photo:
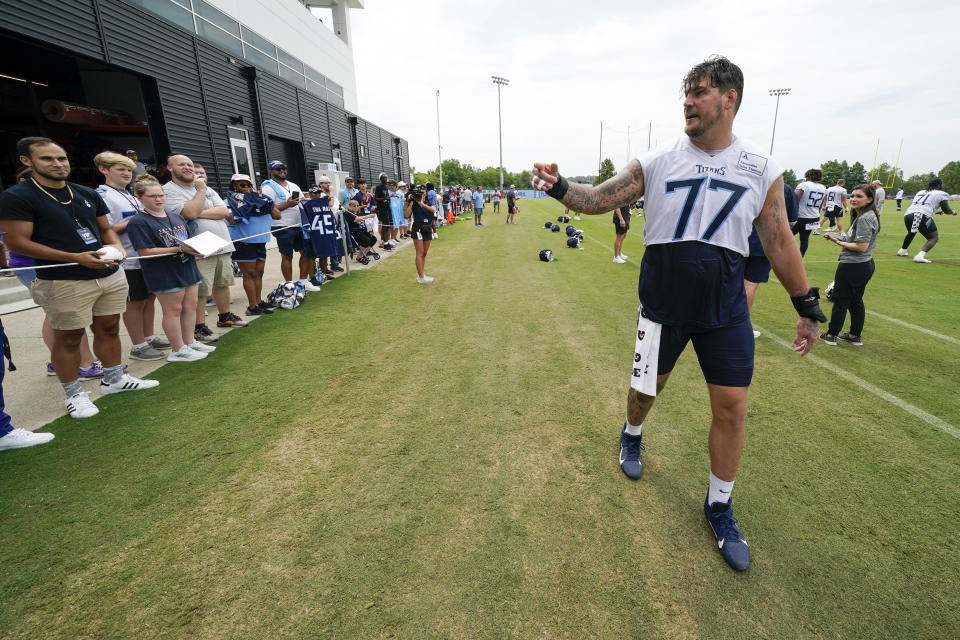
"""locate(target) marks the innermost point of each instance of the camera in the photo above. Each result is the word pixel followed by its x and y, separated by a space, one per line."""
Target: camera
pixel 416 192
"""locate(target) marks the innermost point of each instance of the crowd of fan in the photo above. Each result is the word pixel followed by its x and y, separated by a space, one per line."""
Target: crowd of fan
pixel 65 241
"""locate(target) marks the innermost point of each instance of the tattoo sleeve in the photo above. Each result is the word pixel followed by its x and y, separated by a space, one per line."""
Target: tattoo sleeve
pixel 619 191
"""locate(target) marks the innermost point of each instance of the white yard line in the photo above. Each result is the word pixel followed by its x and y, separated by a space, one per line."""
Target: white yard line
pixel 915 327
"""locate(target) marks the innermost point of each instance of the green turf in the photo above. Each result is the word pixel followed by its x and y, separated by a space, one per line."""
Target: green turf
pixel 402 461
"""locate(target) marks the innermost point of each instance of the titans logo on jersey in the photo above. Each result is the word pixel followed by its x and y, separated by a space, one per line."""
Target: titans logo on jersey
pixel 321 229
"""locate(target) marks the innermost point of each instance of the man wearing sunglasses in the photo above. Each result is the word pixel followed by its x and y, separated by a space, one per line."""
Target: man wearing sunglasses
pixel 286 200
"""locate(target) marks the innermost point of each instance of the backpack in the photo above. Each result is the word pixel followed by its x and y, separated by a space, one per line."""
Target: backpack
pixel 287 295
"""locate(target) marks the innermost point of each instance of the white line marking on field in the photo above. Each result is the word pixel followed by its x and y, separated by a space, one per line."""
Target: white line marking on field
pixel 930 419
pixel 915 327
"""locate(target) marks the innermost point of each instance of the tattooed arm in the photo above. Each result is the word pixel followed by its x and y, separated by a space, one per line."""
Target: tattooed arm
pixel 784 256
pixel 619 191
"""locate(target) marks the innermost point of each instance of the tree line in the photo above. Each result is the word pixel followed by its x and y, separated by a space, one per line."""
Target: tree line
pixel 467 175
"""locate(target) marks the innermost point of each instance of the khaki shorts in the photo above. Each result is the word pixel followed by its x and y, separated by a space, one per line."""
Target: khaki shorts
pixel 215 271
pixel 72 304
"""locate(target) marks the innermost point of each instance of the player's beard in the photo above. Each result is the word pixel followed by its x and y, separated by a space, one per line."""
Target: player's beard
pixel 61 174
pixel 705 121
pixel 182 177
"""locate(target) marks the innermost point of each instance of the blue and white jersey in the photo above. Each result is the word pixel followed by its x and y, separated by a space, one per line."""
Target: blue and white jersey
pixel 699 209
pixel 320 228
pixel 712 197
pixel 925 202
pixel 121 206
pixel 835 197
pixel 812 194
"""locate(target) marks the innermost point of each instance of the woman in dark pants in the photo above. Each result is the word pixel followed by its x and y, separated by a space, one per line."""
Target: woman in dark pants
pixel 855 269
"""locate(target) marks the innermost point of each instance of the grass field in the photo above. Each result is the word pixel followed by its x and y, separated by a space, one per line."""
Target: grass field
pixel 402 461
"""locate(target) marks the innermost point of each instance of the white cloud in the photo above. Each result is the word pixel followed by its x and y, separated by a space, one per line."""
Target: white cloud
pixel 855 76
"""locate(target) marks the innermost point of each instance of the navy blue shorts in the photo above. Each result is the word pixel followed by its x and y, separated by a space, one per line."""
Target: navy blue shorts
pixel 289 240
pixel 249 251
pixel 757 269
pixel 919 223
pixel 725 353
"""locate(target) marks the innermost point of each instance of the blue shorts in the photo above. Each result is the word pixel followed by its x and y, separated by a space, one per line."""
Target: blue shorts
pixel 249 251
pixel 289 240
pixel 725 353
pixel 919 223
pixel 757 269
pixel 478 210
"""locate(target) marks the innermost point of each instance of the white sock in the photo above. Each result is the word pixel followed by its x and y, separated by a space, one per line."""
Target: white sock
pixel 633 430
pixel 141 345
pixel 720 490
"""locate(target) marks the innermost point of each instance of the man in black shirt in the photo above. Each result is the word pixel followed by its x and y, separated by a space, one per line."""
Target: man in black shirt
pixel 381 196
pixel 55 222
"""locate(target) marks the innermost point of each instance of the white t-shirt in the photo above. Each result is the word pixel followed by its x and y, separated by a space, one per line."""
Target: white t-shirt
pixel 927 202
pixel 810 199
pixel 122 205
pixel 178 196
pixel 899 195
pixel 835 197
pixel 290 216
pixel 712 197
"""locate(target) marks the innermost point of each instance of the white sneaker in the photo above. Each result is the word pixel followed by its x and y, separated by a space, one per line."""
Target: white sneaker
pixel 20 438
pixel 81 406
pixel 576 217
pixel 127 383
pixel 186 354
pixel 624 256
pixel 435 236
pixel 202 348
pixel 425 280
pixel 816 232
pixel 756 334
pixel 309 286
pixel 919 258
pixel 618 260
pixel 903 253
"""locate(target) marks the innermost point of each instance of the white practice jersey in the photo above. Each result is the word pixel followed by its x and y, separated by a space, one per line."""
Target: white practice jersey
pixel 927 202
pixel 835 196
pixel 812 194
pixel 712 197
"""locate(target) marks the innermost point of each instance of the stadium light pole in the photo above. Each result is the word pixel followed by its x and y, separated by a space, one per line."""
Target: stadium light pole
pixel 439 152
pixel 497 80
pixel 778 93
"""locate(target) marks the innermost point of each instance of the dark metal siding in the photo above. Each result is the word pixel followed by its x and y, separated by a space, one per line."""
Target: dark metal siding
pixel 278 102
pixel 405 159
pixel 71 24
pixel 363 161
pixel 388 156
pixel 166 53
pixel 316 130
pixel 228 96
pixel 340 134
pixel 375 151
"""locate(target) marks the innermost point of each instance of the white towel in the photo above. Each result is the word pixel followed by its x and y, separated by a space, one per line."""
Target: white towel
pixel 645 355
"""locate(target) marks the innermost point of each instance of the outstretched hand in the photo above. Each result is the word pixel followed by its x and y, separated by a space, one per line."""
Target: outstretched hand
pixel 807 333
pixel 544 175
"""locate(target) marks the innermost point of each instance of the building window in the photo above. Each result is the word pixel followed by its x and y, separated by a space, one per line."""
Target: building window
pixel 336 159
pixel 363 150
pixel 240 151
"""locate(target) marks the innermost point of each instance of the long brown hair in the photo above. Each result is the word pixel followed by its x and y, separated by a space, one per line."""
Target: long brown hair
pixel 871 193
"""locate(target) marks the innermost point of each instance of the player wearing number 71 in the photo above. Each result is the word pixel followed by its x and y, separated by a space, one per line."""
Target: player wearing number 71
pixel 703 195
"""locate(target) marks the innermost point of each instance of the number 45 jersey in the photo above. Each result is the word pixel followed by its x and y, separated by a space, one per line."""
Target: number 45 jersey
pixel 699 210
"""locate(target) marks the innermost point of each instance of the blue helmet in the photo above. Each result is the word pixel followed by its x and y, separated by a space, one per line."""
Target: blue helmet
pixel 555 228
pixel 573 242
pixel 547 224
pixel 570 230
pixel 563 219
pixel 546 255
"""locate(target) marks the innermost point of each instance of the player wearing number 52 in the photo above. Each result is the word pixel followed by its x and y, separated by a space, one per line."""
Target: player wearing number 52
pixel 706 192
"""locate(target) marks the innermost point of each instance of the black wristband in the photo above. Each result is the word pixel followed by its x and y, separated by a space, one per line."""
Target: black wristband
pixel 807 305
pixel 559 190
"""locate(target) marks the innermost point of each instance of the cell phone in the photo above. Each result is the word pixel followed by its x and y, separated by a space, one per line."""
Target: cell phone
pixel 294 194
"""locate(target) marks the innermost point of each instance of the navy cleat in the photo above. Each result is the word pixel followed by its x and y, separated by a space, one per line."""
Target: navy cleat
pixel 732 545
pixel 631 462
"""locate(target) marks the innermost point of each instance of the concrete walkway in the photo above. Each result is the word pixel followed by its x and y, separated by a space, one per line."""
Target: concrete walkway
pixel 34 399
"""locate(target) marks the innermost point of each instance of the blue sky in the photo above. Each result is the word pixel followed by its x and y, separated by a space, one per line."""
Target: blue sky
pixel 855 76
